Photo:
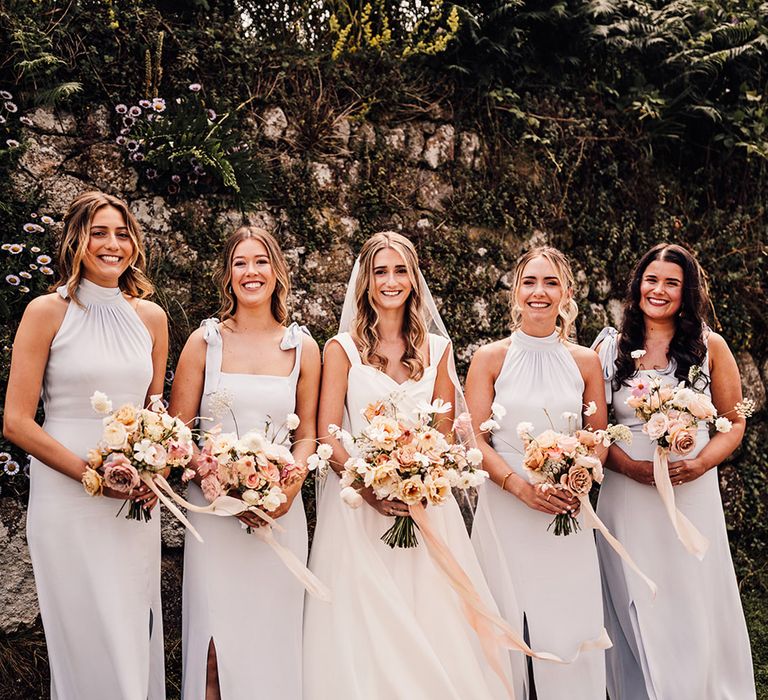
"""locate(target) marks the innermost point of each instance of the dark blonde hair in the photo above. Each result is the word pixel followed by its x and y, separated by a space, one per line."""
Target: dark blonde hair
pixel 366 321
pixel 74 245
pixel 279 304
pixel 568 310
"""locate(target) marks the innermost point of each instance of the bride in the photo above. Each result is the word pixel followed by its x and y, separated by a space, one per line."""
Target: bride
pixel 395 628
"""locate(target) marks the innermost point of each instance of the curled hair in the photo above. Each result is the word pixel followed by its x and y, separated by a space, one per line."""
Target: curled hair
pixel 279 303
pixel 365 326
pixel 687 346
pixel 567 310
pixel 73 246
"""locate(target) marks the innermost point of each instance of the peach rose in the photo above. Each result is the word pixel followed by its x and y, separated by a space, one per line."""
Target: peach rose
pixel 681 442
pixel 120 474
pixel 578 480
pixel 92 482
pixel 568 443
pixel 411 490
pixel 587 438
pixel 254 480
pixel 115 435
pixel 127 415
pixel 701 407
pixel 547 439
pixel 405 455
pixel 270 472
pixel 94 458
pixel 534 458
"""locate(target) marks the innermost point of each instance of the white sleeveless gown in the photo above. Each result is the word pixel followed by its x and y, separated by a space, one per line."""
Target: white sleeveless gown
pixel 555 580
pixel 236 590
pixel 394 629
pixel 97 575
pixel 691 642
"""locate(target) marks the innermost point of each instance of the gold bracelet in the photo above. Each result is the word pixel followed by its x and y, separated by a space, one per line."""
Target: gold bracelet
pixel 504 480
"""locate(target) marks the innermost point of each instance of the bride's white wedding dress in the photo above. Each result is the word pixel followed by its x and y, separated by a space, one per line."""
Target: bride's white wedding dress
pixel 394 628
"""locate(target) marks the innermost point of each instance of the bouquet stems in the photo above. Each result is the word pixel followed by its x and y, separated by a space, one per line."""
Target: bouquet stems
pixel 565 524
pixel 402 534
pixel 138 511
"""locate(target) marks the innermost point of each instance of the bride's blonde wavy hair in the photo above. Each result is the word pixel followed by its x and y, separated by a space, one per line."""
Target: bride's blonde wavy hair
pixel 567 310
pixel 73 246
pixel 366 321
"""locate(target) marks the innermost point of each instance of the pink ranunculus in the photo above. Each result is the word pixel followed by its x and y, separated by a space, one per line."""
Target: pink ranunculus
pixel 271 472
pixel 120 474
pixel 255 480
pixel 211 488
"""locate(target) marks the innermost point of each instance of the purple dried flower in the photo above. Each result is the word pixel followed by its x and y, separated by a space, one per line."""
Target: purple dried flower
pixel 12 143
pixel 2 119
pixel 11 107
pixel 146 104
pixel 5 95
pixel 121 109
pixel 195 87
pixel 132 145
pixel 211 114
pixel 134 111
pixel 128 122
pixel 120 140
pixel 173 188
pixel 138 156
pixel 176 178
pixel 26 121
pixel 151 174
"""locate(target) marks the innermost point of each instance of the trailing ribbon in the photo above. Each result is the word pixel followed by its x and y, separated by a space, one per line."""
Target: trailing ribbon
pixel 226 506
pixel 591 520
pixel 493 632
pixel 686 531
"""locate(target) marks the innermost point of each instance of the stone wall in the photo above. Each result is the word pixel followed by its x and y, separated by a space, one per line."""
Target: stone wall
pixel 321 219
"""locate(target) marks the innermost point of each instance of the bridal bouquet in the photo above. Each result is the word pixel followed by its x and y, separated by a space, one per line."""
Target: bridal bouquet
pixel 671 416
pixel 254 466
pixel 567 462
pixel 136 445
pixel 406 458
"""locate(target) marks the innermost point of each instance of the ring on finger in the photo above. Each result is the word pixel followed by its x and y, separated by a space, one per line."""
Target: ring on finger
pixel 549 495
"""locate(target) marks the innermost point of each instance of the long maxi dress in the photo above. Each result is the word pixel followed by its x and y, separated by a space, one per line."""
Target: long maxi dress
pixel 691 642
pixel 236 591
pixel 97 575
pixel 555 580
pixel 394 629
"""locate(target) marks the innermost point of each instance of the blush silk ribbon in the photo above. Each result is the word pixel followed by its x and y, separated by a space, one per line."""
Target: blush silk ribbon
pixel 228 506
pixel 694 542
pixel 493 632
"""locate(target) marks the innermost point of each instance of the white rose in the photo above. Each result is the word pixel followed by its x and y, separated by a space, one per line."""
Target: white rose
pixel 274 499
pixel 474 456
pixel 723 425
pixel 683 397
pixel 351 497
pixel 292 421
pixel 115 435
pixel 325 451
pixel 100 403
pixel 251 497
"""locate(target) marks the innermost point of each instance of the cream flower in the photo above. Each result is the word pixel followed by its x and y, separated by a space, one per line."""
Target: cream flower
pixel 351 497
pixel 489 426
pixel 525 430
pixel 637 354
pixel 723 425
pixel 292 421
pixel 591 409
pixel 474 456
pixel 411 490
pixel 100 402
pixel 94 458
pixel 497 410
